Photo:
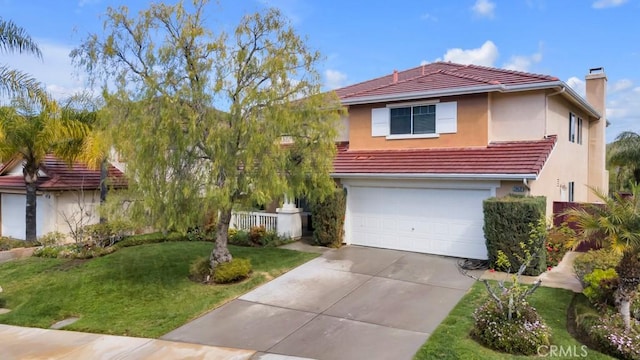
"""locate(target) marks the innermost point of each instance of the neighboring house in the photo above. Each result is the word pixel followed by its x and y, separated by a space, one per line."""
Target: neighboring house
pixel 423 148
pixel 65 193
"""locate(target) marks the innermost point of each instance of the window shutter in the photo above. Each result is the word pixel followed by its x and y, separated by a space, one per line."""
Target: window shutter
pixel 447 117
pixel 380 122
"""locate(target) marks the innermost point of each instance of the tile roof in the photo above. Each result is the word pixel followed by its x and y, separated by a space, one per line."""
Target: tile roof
pixel 440 76
pixel 513 157
pixel 62 176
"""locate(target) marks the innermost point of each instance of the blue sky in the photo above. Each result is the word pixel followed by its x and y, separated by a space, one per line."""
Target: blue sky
pixel 363 39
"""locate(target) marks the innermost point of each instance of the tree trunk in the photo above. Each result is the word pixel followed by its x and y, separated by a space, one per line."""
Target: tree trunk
pixel 624 307
pixel 636 175
pixel 220 253
pixel 103 186
pixel 30 212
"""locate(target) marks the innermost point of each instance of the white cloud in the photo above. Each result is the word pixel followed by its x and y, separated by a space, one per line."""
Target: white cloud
pixel 577 84
pixel 623 112
pixel 602 4
pixel 621 85
pixel 334 78
pixel 485 55
pixel 484 8
pixel 55 70
pixel 623 109
pixel 82 3
pixel 428 17
pixel 522 62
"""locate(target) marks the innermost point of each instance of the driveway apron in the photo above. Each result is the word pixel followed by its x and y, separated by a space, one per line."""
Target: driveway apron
pixel 350 303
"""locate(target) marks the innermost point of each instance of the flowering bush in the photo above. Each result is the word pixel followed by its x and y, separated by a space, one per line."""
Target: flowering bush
pixel 523 334
pixel 610 336
pixel 557 243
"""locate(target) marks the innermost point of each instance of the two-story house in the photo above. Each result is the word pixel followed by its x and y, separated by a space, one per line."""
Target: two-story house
pixel 422 148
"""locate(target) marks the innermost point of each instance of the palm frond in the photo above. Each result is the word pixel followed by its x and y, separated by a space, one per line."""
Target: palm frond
pixel 14 38
pixel 15 83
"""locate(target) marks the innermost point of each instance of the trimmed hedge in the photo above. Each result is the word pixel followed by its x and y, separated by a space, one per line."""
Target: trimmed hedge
pixel 508 222
pixel 328 219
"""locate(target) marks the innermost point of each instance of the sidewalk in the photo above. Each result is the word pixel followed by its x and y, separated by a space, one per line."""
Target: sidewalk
pixel 562 276
pixel 34 343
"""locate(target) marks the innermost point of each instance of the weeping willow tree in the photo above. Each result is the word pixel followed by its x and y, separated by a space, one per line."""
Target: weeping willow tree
pixel 200 117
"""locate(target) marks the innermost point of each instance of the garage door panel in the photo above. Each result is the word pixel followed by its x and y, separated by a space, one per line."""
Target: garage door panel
pixel 438 221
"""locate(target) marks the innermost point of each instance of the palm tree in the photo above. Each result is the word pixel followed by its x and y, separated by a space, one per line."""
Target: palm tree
pixel 28 133
pixel 615 225
pixel 625 153
pixel 14 39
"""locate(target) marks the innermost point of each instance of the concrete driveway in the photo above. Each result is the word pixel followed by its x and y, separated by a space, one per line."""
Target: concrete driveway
pixel 349 303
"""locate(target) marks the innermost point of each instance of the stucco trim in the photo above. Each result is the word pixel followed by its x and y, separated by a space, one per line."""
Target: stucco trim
pixel 435 176
pixel 572 94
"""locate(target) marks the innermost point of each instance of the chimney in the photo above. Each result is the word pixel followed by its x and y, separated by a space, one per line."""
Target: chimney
pixel 596 81
pixel 395 76
pixel 596 89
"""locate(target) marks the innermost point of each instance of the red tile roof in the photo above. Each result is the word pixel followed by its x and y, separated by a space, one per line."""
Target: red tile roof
pixel 62 176
pixel 440 76
pixel 513 157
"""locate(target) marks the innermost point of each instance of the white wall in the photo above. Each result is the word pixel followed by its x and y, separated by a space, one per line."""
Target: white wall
pixel 51 211
pixel 13 215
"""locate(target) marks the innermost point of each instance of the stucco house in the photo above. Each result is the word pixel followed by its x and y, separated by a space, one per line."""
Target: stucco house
pixel 65 192
pixel 422 148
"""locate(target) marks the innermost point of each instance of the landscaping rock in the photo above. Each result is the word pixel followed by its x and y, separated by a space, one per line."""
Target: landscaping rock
pixel 4 311
pixel 60 324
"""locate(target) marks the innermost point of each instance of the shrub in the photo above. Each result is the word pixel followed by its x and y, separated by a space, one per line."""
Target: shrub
pixel 239 237
pixel 256 233
pixel 601 286
pixel 508 225
pixel 199 234
pixel 523 334
pixel 9 243
pixel 602 259
pixel 610 337
pixel 106 234
pixel 328 219
pixel 49 251
pixel 200 270
pixel 232 271
pixel 558 242
pixel 151 238
pixel 52 238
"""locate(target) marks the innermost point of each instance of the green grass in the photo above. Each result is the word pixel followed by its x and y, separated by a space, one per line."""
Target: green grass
pixel 137 291
pixel 451 339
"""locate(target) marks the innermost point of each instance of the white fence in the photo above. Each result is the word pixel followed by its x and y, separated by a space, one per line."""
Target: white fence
pixel 243 220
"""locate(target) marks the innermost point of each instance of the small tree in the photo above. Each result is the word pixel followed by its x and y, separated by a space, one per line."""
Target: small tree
pixel 200 117
pixel 614 225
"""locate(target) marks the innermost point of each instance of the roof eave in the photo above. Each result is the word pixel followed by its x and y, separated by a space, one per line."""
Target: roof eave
pixel 579 100
pixel 439 176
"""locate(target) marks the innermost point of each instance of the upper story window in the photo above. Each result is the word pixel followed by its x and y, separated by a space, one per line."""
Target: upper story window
pixel 575 129
pixel 415 120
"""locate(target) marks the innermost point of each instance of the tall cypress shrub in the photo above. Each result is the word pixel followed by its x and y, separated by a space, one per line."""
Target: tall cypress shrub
pixel 328 219
pixel 508 223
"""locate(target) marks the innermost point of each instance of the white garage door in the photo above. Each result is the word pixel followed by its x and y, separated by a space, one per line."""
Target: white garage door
pixel 435 221
pixel 13 215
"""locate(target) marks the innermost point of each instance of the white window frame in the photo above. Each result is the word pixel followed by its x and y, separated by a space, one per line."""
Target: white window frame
pixel 411 135
pixel 575 128
pixel 445 123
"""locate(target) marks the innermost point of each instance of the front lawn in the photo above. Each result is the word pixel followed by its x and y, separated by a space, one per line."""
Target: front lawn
pixel 137 291
pixel 451 339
